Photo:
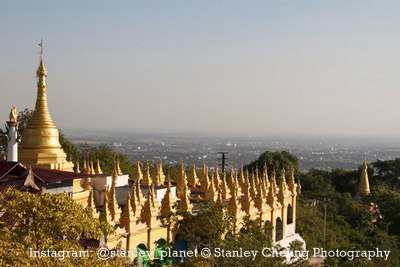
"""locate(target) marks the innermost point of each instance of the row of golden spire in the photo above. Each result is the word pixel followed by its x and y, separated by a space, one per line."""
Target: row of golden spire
pixel 245 193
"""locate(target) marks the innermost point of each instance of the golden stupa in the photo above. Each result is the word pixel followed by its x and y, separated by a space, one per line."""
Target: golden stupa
pixel 40 143
pixel 363 186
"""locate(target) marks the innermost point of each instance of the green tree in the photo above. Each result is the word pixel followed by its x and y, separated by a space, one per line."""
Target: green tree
pixel 276 160
pixel 46 222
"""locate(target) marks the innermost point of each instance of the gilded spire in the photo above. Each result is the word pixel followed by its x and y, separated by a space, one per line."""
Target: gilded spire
pixel 185 204
pixel 91 204
pixel 283 188
pixel 84 166
pixel 105 213
pixel 127 215
pixel 42 116
pixel 272 199
pixel 210 194
pixel 246 201
pixel 256 179
pixel 91 168
pixel 265 181
pixel 138 176
pixel 41 145
pixel 98 168
pixel 181 182
pixel 252 187
pixel 138 193
pixel 292 184
pixel 77 166
pixel 147 178
pixel 204 181
pixel 225 194
pixel 167 201
pixel 192 179
pixel 259 203
pixel 216 176
pixel 148 214
pixel 238 188
pixel 119 172
pixel 113 204
pixel 363 187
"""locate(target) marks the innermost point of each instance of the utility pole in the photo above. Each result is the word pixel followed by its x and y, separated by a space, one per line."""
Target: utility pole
pixel 223 158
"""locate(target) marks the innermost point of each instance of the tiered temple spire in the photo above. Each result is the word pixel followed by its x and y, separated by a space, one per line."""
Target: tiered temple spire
pixel 138 175
pixel 167 203
pixel 40 143
pixel 192 179
pixel 181 182
pixel 204 180
pixel 98 167
pixel 127 218
pixel 147 181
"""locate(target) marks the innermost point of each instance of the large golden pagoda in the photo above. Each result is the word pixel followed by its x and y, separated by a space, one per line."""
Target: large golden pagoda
pixel 40 143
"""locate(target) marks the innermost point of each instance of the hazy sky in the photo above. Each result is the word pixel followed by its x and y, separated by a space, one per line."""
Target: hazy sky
pixel 284 67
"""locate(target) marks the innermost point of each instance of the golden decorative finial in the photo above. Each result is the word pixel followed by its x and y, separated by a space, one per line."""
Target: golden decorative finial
pixel 98 168
pixel 138 176
pixel 77 166
pixel 119 172
pixel 185 204
pixel 192 179
pixel 13 114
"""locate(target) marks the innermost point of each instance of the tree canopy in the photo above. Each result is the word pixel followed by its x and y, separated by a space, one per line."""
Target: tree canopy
pixel 46 222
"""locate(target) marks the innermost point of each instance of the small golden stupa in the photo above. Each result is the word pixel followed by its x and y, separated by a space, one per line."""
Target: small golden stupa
pixel 40 143
pixel 363 186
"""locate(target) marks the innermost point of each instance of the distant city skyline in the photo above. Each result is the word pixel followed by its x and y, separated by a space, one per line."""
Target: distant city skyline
pixel 245 68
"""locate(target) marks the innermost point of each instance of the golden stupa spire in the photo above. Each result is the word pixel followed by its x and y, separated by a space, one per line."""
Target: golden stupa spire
pixel 292 184
pixel 138 193
pixel 138 175
pixel 91 168
pixel 210 193
pixel 246 201
pixel 185 204
pixel 91 204
pixel 168 201
pixel 84 165
pixel 363 187
pixel 225 194
pixel 105 213
pixel 272 199
pixel 192 179
pixel 41 145
pixel 98 167
pixel 147 178
pixel 77 170
pixel 204 178
pixel 216 177
pixel 181 182
pixel 127 216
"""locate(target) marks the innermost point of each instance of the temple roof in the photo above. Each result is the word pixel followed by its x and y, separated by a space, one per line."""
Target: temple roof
pixel 45 175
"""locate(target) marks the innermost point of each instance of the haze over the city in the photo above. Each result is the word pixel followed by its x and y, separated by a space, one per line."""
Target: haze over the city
pixel 248 67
